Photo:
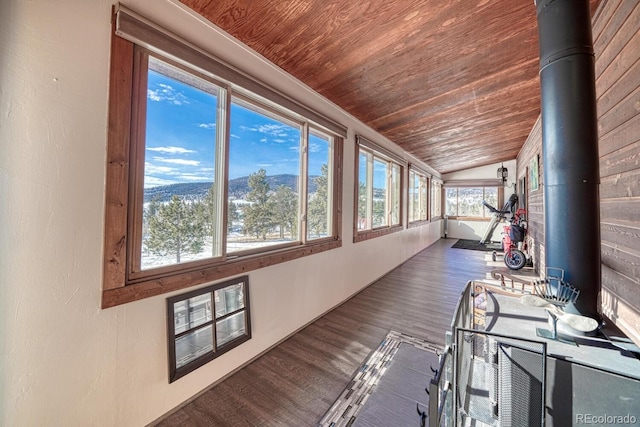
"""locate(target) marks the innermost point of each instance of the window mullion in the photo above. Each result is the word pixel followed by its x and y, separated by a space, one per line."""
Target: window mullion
pixel 137 153
pixel 388 196
pixel 222 172
pixel 303 184
pixel 429 201
pixel 370 190
pixel 331 177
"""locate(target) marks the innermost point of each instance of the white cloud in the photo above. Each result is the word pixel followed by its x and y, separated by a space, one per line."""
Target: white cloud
pixel 171 150
pixel 194 177
pixel 152 181
pixel 207 125
pixel 168 94
pixel 151 169
pixel 314 147
pixel 182 162
pixel 274 130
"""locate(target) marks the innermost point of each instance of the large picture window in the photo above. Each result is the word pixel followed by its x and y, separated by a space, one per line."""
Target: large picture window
pixel 467 201
pixel 418 196
pixel 209 173
pixel 379 193
pixel 436 199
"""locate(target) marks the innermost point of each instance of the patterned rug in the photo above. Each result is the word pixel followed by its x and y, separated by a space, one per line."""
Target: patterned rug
pixel 348 408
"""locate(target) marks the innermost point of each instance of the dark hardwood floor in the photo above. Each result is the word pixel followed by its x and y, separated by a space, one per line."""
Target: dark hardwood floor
pixel 295 383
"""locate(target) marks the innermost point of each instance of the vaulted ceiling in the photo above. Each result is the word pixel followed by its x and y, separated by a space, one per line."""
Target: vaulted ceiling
pixel 453 82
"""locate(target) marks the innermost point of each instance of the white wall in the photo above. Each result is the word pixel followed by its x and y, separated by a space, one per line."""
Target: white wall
pixel 63 360
pixel 475 229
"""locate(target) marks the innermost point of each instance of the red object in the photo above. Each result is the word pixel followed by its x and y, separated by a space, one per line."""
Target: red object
pixel 513 257
pixel 519 220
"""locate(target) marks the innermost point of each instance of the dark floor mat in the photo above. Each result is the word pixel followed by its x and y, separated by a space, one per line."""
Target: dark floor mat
pixel 400 391
pixel 475 245
pixel 388 387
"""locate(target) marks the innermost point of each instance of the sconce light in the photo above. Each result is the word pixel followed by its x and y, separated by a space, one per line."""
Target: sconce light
pixel 503 173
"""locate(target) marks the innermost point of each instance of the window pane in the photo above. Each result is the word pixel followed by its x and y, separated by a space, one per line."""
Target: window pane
pixel 436 200
pixel 229 299
pixel 470 201
pixel 264 173
pixel 395 195
pixel 230 328
pixel 411 199
pixel 363 193
pixel 423 198
pixel 193 345
pixel 319 186
pixel 380 189
pixel 451 196
pixel 491 197
pixel 192 312
pixel 416 197
pixel 179 168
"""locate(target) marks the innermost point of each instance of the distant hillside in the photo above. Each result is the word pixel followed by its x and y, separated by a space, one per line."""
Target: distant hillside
pixel 238 188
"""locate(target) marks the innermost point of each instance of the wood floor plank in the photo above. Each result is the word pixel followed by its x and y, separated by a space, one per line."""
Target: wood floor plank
pixel 295 383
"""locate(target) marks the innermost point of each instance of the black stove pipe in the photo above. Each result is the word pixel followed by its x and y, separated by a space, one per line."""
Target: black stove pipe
pixel 570 148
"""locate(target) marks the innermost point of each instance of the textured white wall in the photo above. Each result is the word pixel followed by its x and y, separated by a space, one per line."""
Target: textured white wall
pixel 471 230
pixel 63 360
pixel 486 172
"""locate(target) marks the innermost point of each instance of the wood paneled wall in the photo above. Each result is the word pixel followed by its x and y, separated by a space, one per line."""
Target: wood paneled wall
pixel 534 198
pixel 616 35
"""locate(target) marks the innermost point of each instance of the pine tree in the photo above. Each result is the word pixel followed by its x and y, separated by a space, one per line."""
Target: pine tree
pixel 175 229
pixel 258 216
pixel 318 205
pixel 362 207
pixel 207 210
pixel 285 214
pixel 233 215
pixel 379 212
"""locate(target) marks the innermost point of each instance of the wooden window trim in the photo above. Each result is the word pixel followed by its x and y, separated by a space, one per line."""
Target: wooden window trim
pixel 471 218
pixel 361 236
pixel 433 184
pixel 428 180
pixel 118 287
pixel 370 147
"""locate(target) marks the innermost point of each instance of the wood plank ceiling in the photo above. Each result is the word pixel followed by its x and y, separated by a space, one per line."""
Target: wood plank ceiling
pixel 453 82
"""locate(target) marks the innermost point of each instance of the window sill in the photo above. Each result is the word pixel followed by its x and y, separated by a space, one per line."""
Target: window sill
pixel 361 236
pixel 470 218
pixel 415 224
pixel 184 279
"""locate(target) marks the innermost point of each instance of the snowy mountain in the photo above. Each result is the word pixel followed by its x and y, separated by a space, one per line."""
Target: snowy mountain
pixel 238 188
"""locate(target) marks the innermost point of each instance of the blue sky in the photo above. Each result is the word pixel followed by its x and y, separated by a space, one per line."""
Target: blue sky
pixel 181 131
pixel 379 172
